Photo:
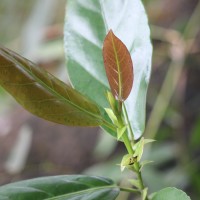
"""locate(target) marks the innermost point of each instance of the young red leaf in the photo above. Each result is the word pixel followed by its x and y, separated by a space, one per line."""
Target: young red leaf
pixel 118 66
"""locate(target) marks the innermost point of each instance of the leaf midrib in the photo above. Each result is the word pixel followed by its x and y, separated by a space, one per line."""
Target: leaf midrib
pixel 118 68
pixel 82 191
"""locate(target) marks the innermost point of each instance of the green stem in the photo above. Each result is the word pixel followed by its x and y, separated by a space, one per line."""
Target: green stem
pixel 123 120
pixel 136 165
pixel 128 123
pixel 129 190
pixel 127 144
pixel 130 150
pixel 125 136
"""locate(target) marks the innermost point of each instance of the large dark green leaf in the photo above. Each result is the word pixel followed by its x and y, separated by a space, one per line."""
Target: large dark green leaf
pixel 72 187
pixel 43 94
pixel 87 23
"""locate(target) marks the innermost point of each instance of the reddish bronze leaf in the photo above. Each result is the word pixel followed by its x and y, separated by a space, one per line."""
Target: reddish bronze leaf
pixel 118 65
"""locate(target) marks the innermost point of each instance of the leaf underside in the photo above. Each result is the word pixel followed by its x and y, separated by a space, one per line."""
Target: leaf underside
pixel 118 65
pixel 68 187
pixel 43 94
pixel 87 23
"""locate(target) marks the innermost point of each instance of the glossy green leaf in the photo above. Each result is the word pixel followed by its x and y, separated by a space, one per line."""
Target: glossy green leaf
pixel 43 94
pixel 170 193
pixel 71 187
pixel 87 23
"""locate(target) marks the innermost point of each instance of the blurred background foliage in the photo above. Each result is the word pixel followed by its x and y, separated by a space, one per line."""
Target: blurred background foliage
pixel 31 147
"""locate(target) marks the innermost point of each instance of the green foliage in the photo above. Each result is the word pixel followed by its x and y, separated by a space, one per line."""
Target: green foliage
pixel 170 193
pixel 71 187
pixel 87 23
pixel 43 94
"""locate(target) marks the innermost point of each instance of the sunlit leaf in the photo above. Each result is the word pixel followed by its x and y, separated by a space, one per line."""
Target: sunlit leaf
pixel 43 94
pixel 87 23
pixel 71 187
pixel 118 65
